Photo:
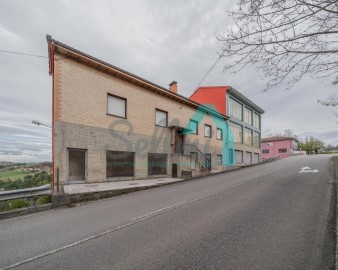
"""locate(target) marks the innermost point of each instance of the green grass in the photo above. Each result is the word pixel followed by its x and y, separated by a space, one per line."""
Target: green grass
pixel 13 175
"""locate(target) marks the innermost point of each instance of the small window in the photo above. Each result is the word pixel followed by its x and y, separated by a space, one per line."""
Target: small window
pixel 207 131
pixel 116 106
pixel 161 118
pixel 265 151
pixel 193 126
pixel 219 134
pixel 219 160
pixel 283 150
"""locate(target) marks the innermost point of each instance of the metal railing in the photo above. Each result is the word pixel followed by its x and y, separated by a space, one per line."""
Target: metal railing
pixel 193 150
pixel 26 193
pixel 276 157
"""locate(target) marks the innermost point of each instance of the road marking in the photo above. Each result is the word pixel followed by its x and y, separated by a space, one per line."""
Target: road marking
pixel 133 222
pixel 307 169
pixel 160 210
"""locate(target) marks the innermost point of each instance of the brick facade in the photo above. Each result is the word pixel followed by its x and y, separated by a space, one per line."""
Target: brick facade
pixel 81 122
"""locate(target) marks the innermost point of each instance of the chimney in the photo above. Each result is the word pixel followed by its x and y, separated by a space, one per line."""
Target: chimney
pixel 173 87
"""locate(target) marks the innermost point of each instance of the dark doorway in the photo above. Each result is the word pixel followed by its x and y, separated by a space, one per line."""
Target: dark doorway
pixel 179 142
pixel 77 164
pixel 174 170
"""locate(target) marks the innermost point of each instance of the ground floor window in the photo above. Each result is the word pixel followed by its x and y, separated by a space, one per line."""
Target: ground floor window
pixel 219 160
pixel 256 158
pixel 157 164
pixel 283 150
pixel 265 151
pixel 120 163
pixel 238 156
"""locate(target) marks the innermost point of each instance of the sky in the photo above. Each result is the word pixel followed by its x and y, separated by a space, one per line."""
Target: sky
pixel 160 41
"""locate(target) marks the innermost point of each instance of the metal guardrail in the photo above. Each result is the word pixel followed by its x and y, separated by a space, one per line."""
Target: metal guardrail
pixel 276 157
pixel 25 193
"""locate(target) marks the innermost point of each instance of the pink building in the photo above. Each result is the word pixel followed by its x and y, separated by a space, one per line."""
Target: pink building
pixel 274 146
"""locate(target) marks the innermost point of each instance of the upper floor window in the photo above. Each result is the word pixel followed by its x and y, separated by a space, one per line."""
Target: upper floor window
pixel 247 136
pixel 248 116
pixel 256 121
pixel 161 118
pixel 193 126
pixel 117 106
pixel 219 134
pixel 256 139
pixel 207 131
pixel 235 109
pixel 236 132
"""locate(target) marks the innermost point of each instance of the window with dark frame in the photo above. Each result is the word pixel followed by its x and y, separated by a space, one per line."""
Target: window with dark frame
pixel 265 151
pixel 120 163
pixel 193 125
pixel 116 106
pixel 283 150
pixel 207 131
pixel 219 134
pixel 161 118
pixel 157 164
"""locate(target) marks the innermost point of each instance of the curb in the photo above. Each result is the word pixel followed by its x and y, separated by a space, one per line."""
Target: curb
pixel 67 200
pixel 25 211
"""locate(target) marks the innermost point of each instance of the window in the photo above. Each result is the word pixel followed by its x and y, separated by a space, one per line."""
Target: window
pixel 219 134
pixel 193 125
pixel 207 131
pixel 256 121
pixel 120 163
pixel 256 139
pixel 157 164
pixel 248 116
pixel 247 136
pixel 161 118
pixel 266 151
pixel 235 109
pixel 283 150
pixel 236 133
pixel 219 160
pixel 117 106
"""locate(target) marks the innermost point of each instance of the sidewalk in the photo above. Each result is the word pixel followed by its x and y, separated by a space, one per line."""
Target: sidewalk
pixel 122 185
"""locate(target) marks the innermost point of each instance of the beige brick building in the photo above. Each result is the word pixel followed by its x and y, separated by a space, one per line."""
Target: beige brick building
pixel 110 125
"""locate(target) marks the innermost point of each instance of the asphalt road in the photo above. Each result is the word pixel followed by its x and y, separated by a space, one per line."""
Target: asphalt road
pixel 267 216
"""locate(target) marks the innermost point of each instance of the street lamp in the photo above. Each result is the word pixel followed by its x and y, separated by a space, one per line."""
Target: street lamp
pixel 40 124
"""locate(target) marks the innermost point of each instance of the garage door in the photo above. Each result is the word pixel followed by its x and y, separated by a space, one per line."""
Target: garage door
pixel 238 156
pixel 248 158
pixel 256 158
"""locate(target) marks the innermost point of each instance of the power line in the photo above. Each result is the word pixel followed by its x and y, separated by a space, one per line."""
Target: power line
pixel 211 68
pixel 26 54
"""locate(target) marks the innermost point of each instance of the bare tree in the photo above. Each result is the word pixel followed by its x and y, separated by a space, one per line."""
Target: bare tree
pixel 286 39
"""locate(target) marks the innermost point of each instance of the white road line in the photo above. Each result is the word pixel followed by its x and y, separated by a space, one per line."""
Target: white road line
pixel 159 210
pixel 146 217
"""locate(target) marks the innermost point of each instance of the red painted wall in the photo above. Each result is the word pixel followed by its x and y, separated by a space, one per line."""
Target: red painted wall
pixel 215 95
